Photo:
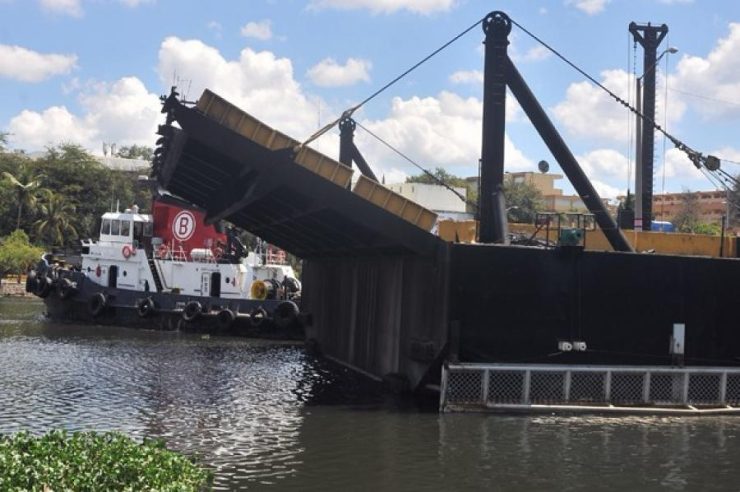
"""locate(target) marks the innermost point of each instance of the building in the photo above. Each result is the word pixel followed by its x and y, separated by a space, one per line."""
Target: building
pixel 553 198
pixel 711 205
pixel 124 164
pixel 437 198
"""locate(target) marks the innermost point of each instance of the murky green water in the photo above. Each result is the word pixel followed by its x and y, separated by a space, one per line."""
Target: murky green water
pixel 265 416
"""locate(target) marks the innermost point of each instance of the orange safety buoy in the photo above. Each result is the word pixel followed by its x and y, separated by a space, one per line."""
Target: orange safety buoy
pixel 126 251
pixel 162 251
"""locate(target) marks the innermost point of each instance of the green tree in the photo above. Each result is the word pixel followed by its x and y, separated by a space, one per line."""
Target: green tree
pixel 85 183
pixel 136 152
pixel 733 205
pixel 438 176
pixel 709 229
pixel 17 254
pixel 523 200
pixel 687 217
pixel 55 224
pixel 26 185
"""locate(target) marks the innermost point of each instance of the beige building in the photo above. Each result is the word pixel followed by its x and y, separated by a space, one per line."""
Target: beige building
pixel 712 205
pixel 553 198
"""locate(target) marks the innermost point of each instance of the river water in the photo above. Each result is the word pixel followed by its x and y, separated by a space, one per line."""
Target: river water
pixel 266 416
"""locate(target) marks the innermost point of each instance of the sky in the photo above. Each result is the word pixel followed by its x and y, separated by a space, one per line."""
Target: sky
pixel 91 72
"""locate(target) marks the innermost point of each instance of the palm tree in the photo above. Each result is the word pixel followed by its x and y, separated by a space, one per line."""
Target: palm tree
pixel 56 219
pixel 26 187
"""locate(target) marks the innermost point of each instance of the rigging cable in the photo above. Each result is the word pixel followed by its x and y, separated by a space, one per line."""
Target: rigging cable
pixel 631 63
pixel 696 157
pixel 665 125
pixel 348 113
pixel 431 175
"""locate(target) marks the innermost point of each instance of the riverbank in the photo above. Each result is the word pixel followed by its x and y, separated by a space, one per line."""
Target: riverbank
pixel 11 287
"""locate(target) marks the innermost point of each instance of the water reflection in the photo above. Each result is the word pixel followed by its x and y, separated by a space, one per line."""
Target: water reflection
pixel 267 416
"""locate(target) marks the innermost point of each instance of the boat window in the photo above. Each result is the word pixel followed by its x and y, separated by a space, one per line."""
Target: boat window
pixel 105 228
pixel 138 227
pixel 147 229
pixel 115 227
pixel 125 228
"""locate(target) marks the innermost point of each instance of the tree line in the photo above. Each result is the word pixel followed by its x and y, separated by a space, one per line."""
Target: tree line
pixel 523 199
pixel 56 199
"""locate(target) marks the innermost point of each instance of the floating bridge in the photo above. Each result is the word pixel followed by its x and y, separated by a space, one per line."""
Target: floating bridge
pixel 391 299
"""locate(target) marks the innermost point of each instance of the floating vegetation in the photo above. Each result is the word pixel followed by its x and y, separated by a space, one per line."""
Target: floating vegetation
pixel 91 461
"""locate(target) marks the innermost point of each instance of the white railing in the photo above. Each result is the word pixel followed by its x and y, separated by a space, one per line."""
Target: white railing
pixel 653 389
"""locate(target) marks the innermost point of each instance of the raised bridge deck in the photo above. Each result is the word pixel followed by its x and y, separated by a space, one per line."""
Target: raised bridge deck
pixel 374 277
pixel 259 179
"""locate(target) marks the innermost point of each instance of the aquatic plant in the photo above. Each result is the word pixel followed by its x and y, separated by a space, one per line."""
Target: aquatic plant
pixel 90 461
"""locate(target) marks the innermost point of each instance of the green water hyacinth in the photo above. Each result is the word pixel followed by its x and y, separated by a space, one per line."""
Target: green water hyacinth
pixel 88 461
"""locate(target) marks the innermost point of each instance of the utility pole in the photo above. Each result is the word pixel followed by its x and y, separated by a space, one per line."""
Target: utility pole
pixel 649 37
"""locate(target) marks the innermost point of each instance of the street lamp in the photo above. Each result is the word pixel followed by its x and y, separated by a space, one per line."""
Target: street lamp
pixel 638 137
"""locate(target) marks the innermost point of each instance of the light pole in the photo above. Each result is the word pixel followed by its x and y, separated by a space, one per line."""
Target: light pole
pixel 638 137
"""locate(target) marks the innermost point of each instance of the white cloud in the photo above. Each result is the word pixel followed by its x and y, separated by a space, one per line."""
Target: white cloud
pixel 513 109
pixel 715 77
pixel 123 112
pixel 679 166
pixel 604 164
pixel 604 167
pixel 261 30
pixel 605 190
pixel 30 66
pixel 135 3
pixel 589 112
pixel 386 6
pixel 467 77
pixel 537 53
pixel 216 27
pixel 673 2
pixel 590 7
pixel 258 82
pixel 65 7
pixel 442 131
pixel 329 73
pixel 731 154
pixel 73 8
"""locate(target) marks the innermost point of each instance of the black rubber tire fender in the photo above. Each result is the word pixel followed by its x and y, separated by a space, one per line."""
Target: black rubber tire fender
pixel 285 314
pixel 257 316
pixel 192 310
pixel 43 286
pixel 31 281
pixel 145 307
pixel 225 318
pixel 66 288
pixel 97 304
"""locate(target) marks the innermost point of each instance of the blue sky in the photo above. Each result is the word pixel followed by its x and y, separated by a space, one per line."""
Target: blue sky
pixel 90 71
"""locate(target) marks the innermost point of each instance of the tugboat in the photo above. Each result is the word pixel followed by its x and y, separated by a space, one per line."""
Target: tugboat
pixel 170 270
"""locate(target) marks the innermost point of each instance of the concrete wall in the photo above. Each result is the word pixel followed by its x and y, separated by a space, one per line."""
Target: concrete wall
pixel 380 314
pixel 667 243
